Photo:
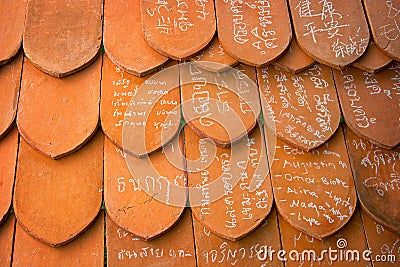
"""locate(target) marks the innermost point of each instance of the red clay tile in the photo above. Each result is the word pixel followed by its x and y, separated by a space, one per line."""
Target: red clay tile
pixel 62 37
pixel 57 116
pixel 301 109
pixel 212 250
pixel 178 29
pixel 373 60
pixel 381 242
pixel 314 191
pixel 333 32
pixel 343 246
pixel 8 152
pixel 6 241
pixel 175 248
pixel 55 200
pixel 86 250
pixel 214 58
pixel 377 177
pixel 294 60
pixel 255 34
pixel 151 119
pixel 141 197
pixel 10 78
pixel 230 188
pixel 123 38
pixel 384 19
pixel 12 20
pixel 221 106
pixel 370 103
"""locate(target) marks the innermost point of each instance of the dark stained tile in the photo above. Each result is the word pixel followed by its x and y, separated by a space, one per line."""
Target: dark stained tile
pixel 255 34
pixel 373 60
pixel 57 116
pixel 62 37
pixel 333 32
pixel 376 174
pixel 124 42
pixel 6 241
pixel 10 77
pixel 294 60
pixel 175 248
pixel 12 20
pixel 301 109
pixel 370 103
pixel 86 250
pixel 8 152
pixel 221 106
pixel 314 191
pixel 56 200
pixel 178 29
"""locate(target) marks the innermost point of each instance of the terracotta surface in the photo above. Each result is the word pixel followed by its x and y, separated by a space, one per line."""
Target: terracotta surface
pixel 10 77
pixel 333 32
pixel 62 37
pixel 384 19
pixel 370 103
pixel 178 29
pixel 214 58
pixel 55 200
pixel 212 250
pixel 221 106
pixel 6 241
pixel 8 152
pixel 314 191
pixel 294 60
pixel 373 60
pixel 254 33
pixel 146 202
pixel 301 109
pixel 124 42
pixel 57 116
pixel 12 20
pixel 341 246
pixel 231 190
pixel 376 174
pixel 381 242
pixel 175 248
pixel 86 250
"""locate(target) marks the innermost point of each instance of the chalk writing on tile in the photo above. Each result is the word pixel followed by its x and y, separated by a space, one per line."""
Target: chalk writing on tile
pixel 391 28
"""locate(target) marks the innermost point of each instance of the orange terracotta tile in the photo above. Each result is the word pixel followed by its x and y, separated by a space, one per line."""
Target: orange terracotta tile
pixel 56 200
pixel 383 243
pixel 333 32
pixel 178 29
pixel 57 116
pixel 384 19
pixel 230 188
pixel 373 60
pixel 370 103
pixel 140 114
pixel 175 248
pixel 141 194
pixel 12 20
pixel 212 250
pixel 314 191
pixel 345 248
pixel 255 34
pixel 8 152
pixel 221 106
pixel 124 42
pixel 10 78
pixel 294 60
pixel 6 241
pixel 377 177
pixel 301 109
pixel 214 58
pixel 86 250
pixel 62 37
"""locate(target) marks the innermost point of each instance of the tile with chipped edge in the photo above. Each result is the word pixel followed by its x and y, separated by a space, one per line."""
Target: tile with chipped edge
pixel 373 60
pixel 294 60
